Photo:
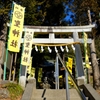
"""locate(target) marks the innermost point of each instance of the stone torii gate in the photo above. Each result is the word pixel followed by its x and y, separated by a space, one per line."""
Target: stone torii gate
pixel 52 41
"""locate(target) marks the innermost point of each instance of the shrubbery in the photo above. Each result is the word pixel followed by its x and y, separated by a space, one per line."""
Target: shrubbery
pixel 15 90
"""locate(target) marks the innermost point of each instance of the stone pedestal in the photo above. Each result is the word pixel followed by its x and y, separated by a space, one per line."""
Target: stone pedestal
pixel 81 80
pixel 22 81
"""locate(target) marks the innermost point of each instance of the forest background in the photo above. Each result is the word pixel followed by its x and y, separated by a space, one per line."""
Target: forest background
pixel 54 13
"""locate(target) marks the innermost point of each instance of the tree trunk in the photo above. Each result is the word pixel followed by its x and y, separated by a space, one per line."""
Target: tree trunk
pixel 95 68
pixel 14 66
pixel 3 32
pixel 1 59
pixel 96 81
pixel 10 74
pixel 1 72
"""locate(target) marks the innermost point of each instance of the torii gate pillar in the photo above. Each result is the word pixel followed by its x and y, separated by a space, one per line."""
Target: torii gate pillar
pixel 79 61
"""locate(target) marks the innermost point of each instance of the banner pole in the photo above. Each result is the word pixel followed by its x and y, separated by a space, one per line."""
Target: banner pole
pixel 6 58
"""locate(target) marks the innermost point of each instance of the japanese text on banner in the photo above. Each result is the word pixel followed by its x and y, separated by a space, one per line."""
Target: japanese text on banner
pixel 29 67
pixel 16 28
pixel 26 54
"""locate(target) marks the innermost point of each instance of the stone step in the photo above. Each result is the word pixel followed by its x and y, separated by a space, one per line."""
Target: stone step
pixel 53 94
pixel 53 98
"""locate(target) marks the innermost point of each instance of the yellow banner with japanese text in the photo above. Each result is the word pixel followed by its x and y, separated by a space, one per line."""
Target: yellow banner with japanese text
pixel 29 67
pixel 16 28
pixel 27 47
pixel 69 66
pixel 86 51
pixel 30 70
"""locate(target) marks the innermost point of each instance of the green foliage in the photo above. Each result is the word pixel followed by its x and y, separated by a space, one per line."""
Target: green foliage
pixel 15 90
pixel 80 7
pixel 44 12
pixel 37 12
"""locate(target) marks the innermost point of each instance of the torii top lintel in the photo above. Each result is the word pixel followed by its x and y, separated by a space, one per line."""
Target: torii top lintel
pixel 51 30
pixel 60 29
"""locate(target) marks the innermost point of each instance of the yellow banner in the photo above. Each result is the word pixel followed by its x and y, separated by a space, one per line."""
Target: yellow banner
pixel 30 70
pixel 86 52
pixel 69 66
pixel 16 28
pixel 70 63
pixel 30 66
pixel 40 75
pixel 26 54
pixel 33 72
